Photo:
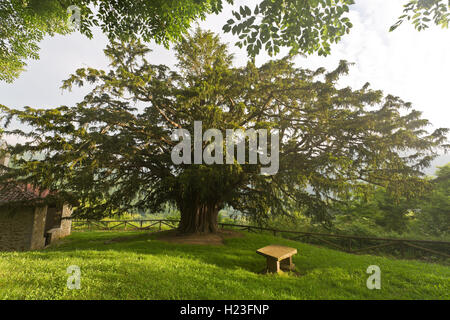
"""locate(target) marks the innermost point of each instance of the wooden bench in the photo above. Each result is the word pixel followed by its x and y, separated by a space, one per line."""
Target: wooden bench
pixel 278 257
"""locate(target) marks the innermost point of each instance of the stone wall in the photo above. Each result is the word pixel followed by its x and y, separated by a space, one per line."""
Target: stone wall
pixel 16 228
pixel 38 232
pixel 65 226
pixel 26 228
pixel 53 218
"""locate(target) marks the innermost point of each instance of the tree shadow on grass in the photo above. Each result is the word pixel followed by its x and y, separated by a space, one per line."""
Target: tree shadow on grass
pixel 237 253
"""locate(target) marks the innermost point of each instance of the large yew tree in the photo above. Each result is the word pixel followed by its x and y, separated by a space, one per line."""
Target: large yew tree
pixel 112 151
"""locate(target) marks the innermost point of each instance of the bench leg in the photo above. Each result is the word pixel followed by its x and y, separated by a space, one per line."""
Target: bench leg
pixel 286 264
pixel 273 265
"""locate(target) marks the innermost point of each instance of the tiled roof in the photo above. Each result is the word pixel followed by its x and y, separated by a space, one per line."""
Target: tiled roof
pixel 11 193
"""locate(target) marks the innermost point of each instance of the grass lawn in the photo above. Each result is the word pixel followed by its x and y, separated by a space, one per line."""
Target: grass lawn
pixel 144 268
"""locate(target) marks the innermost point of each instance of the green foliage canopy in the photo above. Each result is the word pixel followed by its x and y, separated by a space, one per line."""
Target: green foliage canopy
pixel 21 28
pixel 421 12
pixel 305 26
pixel 23 24
pixel 435 206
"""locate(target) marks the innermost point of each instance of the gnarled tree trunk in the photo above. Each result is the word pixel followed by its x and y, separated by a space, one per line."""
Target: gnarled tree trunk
pixel 199 218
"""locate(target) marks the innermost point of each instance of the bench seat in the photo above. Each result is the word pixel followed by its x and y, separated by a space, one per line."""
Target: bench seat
pixel 278 257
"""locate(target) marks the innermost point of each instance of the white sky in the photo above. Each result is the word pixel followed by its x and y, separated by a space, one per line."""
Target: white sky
pixel 407 63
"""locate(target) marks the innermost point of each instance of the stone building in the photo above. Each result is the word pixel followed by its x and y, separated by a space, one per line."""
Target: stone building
pixel 27 222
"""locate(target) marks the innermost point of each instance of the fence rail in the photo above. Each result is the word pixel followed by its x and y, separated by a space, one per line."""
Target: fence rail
pixel 347 243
